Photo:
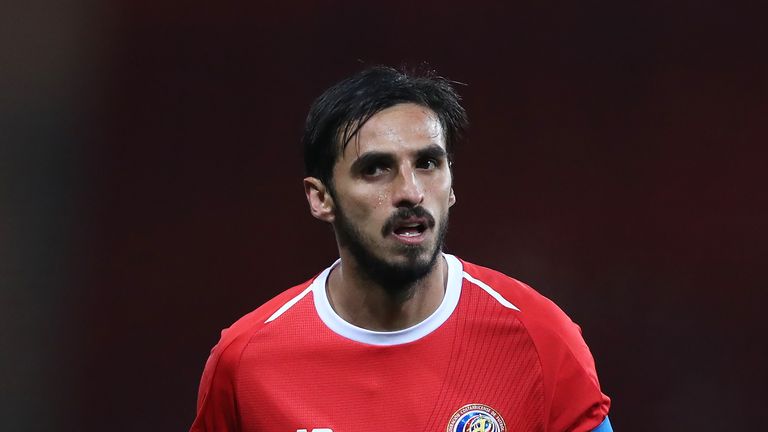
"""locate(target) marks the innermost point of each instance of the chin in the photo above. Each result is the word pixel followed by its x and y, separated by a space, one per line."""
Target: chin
pixel 407 268
pixel 416 257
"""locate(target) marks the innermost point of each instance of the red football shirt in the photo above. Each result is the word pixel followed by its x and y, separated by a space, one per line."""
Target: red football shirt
pixel 495 356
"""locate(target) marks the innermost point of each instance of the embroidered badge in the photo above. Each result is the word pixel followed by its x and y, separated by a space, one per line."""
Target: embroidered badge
pixel 476 418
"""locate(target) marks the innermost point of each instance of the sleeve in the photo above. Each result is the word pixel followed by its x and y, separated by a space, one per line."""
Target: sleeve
pixel 216 399
pixel 577 404
pixel 573 401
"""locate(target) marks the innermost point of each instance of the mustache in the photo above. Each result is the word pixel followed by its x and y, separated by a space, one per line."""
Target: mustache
pixel 405 213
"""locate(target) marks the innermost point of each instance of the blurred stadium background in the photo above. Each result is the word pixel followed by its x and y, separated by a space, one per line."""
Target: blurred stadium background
pixel 150 188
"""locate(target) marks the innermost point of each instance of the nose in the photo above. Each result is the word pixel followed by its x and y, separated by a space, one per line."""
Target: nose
pixel 408 191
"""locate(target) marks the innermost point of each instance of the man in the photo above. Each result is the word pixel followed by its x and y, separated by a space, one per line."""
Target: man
pixel 397 335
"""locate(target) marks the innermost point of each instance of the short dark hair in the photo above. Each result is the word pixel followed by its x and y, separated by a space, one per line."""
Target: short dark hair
pixel 339 113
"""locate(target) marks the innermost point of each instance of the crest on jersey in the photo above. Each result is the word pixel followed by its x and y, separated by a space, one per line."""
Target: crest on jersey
pixel 476 418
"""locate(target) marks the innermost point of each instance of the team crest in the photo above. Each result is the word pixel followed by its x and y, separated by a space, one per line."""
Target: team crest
pixel 476 418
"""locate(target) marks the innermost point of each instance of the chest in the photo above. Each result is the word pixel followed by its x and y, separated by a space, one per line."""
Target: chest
pixel 474 376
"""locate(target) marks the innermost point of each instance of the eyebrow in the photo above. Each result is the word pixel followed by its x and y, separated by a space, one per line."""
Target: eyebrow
pixel 372 157
pixel 432 151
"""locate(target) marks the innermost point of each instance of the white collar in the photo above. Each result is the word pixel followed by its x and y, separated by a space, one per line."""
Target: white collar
pixel 410 334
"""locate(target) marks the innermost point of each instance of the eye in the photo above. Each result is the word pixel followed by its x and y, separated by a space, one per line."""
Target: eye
pixel 428 163
pixel 374 170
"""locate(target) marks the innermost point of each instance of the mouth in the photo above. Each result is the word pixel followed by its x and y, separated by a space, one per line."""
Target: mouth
pixel 411 231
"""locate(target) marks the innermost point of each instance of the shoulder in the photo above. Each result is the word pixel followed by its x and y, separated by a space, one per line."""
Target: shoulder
pixel 242 330
pixel 216 398
pixel 547 324
pixel 220 370
pixel 533 308
pixel 575 401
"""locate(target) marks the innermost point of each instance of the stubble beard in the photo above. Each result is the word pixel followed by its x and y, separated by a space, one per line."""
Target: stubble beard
pixel 398 278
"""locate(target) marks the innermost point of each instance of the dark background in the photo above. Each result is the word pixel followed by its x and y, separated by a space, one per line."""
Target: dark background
pixel 150 188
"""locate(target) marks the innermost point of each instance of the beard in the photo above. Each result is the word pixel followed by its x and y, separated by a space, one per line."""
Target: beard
pixel 395 276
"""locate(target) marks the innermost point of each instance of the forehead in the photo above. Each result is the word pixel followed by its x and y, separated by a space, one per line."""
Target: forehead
pixel 400 127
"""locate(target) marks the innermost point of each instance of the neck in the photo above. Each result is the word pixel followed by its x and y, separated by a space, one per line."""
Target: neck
pixel 368 304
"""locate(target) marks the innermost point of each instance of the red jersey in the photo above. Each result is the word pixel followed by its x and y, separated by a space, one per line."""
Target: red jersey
pixel 495 356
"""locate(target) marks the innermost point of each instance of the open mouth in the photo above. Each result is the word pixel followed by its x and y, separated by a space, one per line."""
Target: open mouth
pixel 409 225
pixel 410 229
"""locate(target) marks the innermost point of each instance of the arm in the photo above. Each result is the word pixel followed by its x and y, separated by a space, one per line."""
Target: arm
pixel 577 403
pixel 216 400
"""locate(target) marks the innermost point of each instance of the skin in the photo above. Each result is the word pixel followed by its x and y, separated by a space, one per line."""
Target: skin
pixel 396 161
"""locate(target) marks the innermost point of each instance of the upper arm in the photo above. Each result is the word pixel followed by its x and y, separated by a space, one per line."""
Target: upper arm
pixel 574 400
pixel 216 400
pixel 577 402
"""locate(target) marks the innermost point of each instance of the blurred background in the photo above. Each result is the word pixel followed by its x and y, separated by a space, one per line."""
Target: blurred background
pixel 150 188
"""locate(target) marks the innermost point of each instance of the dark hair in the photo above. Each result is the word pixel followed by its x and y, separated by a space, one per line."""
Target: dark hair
pixel 339 113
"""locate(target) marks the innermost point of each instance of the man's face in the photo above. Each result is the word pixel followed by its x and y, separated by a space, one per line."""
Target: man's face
pixel 392 191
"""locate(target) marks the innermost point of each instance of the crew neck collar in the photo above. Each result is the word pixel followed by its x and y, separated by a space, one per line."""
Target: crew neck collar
pixel 341 327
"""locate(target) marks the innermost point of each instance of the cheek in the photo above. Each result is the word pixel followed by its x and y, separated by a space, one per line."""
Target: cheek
pixel 369 199
pixel 443 190
pixel 365 205
pixel 381 199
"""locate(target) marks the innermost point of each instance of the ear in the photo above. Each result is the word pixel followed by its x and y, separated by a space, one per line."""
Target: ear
pixel 451 198
pixel 320 201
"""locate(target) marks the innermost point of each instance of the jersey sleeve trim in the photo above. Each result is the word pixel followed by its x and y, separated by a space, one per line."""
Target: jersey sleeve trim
pixel 504 302
pixel 288 304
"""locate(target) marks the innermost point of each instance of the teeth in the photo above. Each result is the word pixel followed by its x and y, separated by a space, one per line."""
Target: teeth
pixel 410 234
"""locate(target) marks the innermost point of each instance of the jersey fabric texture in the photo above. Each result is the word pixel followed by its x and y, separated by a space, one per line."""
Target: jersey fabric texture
pixel 495 356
